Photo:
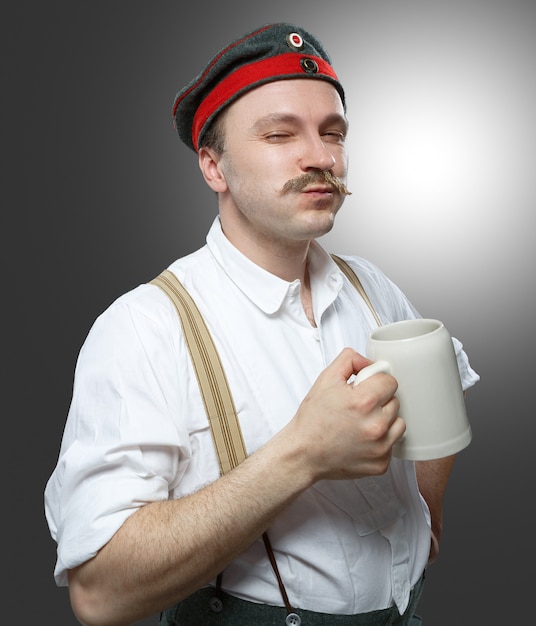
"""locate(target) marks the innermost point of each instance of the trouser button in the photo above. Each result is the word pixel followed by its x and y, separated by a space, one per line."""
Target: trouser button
pixel 215 604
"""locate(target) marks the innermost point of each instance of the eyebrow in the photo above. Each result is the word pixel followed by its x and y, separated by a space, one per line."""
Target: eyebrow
pixel 290 118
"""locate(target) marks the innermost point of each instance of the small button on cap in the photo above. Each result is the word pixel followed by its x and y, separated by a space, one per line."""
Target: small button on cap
pixel 310 66
pixel 293 620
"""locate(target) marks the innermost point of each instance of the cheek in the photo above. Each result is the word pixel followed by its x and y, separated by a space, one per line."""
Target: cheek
pixel 341 163
pixel 243 179
pixel 264 170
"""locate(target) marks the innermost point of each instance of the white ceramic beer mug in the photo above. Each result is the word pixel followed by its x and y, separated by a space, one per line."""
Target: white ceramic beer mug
pixel 420 355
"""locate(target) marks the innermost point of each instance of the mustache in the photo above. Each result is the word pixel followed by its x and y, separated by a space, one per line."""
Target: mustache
pixel 310 178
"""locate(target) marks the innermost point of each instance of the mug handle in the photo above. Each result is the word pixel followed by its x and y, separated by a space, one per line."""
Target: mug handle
pixel 374 368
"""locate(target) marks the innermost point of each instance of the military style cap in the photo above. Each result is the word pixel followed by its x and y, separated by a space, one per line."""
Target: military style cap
pixel 272 52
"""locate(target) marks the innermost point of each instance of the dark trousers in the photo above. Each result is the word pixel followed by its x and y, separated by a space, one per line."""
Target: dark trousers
pixel 196 611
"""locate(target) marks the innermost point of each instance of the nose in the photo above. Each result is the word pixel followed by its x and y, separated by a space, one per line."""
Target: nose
pixel 316 155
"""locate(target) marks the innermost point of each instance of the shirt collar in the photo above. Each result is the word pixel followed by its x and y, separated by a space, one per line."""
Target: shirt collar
pixel 264 289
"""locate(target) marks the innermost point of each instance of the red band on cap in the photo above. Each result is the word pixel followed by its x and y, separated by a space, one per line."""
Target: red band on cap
pixel 287 64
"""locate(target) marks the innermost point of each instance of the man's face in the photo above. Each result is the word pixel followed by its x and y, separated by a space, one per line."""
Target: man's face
pixel 275 133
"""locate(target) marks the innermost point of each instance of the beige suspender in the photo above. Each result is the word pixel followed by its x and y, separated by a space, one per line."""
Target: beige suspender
pixel 353 278
pixel 217 397
pixel 210 374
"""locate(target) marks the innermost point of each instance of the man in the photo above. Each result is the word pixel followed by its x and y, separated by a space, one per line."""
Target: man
pixel 319 523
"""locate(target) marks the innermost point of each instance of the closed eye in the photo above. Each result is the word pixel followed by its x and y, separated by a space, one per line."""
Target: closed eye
pixel 334 136
pixel 277 136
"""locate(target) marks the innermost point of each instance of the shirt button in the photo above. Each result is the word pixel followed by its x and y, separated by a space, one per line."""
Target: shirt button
pixel 293 620
pixel 215 604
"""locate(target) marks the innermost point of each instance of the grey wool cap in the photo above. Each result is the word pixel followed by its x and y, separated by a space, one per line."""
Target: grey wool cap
pixel 273 52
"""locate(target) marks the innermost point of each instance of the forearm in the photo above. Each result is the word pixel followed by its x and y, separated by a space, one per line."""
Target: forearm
pixel 432 478
pixel 167 550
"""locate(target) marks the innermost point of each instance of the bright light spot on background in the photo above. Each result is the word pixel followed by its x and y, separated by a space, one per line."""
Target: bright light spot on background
pixel 442 151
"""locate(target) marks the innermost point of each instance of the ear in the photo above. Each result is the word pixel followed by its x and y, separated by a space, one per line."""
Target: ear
pixel 209 164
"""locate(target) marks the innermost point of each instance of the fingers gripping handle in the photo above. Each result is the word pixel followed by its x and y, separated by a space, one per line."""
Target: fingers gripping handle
pixel 375 368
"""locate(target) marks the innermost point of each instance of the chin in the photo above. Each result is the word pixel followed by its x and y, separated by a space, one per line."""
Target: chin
pixel 326 224
pixel 316 233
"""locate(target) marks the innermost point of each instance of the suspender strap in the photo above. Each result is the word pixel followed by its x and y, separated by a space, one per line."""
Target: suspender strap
pixel 217 397
pixel 354 279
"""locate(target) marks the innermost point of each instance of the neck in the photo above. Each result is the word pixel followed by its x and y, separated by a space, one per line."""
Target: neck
pixel 307 298
pixel 285 259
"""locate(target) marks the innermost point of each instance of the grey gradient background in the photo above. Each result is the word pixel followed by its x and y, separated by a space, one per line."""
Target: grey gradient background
pixel 99 195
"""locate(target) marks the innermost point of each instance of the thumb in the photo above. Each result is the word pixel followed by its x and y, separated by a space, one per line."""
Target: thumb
pixel 347 363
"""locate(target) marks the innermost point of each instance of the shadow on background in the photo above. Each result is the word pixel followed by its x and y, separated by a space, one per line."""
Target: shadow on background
pixel 100 195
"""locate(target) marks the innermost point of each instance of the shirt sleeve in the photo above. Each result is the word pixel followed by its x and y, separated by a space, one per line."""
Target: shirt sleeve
pixel 123 446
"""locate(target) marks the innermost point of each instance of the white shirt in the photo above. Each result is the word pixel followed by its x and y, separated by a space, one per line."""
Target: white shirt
pixel 137 431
